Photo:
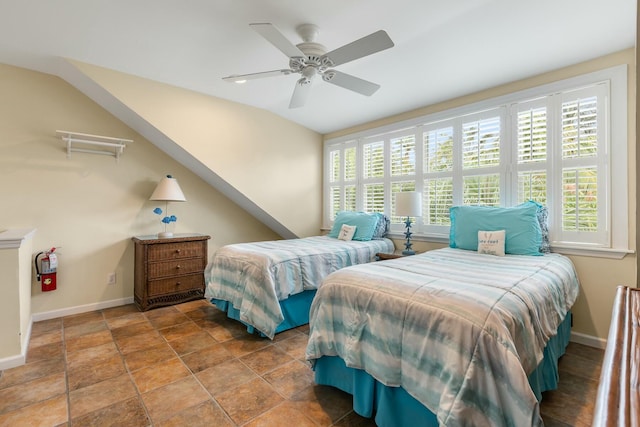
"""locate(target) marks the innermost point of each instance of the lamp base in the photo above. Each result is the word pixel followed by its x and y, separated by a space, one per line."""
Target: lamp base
pixel 408 252
pixel 165 234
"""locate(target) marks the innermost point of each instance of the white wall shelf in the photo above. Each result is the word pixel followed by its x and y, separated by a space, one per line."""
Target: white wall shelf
pixel 79 143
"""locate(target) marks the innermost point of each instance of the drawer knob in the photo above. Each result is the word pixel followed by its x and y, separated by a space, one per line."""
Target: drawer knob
pixel 178 267
pixel 177 284
pixel 178 251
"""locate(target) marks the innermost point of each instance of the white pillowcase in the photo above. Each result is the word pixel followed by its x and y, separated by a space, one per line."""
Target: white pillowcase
pixel 347 232
pixel 491 242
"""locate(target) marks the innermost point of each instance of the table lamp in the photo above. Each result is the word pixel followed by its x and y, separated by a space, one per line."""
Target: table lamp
pixel 167 191
pixel 409 204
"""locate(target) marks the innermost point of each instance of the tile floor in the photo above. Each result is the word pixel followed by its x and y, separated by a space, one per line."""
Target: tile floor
pixel 188 365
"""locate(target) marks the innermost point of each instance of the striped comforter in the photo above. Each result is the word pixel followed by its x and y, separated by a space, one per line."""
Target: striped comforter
pixel 254 277
pixel 458 330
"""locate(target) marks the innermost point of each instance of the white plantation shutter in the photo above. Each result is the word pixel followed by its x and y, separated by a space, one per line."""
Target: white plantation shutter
pixel 481 143
pixel 531 127
pixel 437 198
pixel 551 144
pixel 403 156
pixel 374 198
pixel 373 160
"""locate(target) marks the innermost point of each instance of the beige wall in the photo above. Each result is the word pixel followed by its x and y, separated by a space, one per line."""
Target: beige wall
pixel 273 162
pixel 599 277
pixel 90 205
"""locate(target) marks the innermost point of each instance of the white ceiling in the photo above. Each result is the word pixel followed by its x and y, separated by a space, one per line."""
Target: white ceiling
pixel 443 48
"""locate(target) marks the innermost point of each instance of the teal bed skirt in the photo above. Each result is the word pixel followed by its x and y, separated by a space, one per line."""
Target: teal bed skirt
pixel 394 407
pixel 295 310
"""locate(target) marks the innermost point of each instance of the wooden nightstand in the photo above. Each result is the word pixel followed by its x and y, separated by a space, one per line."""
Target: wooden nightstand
pixel 169 270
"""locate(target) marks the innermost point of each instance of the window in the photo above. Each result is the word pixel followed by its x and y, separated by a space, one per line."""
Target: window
pixel 563 145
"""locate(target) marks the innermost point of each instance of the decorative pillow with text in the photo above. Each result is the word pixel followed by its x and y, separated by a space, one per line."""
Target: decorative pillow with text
pixel 491 242
pixel 347 232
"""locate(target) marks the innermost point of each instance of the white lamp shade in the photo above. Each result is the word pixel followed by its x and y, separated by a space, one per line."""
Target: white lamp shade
pixel 409 203
pixel 168 190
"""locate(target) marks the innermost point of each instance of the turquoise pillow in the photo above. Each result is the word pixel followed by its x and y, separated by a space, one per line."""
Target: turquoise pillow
pixel 523 233
pixel 365 224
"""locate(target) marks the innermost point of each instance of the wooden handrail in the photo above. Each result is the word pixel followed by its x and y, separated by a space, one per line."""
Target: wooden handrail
pixel 618 399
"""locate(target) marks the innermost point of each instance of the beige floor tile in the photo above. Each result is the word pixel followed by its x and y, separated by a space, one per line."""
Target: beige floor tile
pixel 47 351
pixel 225 376
pixel 132 329
pixel 191 343
pixel 249 400
pixel 159 375
pixel 101 395
pixel 49 337
pixel 121 310
pixel 173 398
pixel 148 357
pixel 266 359
pixel 47 413
pixel 30 392
pixel 180 331
pixel 291 378
pixel 129 344
pixel 129 319
pixel 246 344
pixel 129 413
pixel 284 414
pixel 84 329
pixel 295 346
pixel 31 371
pixel 91 355
pixel 44 326
pixel 81 318
pixel 206 358
pixel 90 340
pixel 164 319
pixel 94 372
pixel 206 414
pixel 323 404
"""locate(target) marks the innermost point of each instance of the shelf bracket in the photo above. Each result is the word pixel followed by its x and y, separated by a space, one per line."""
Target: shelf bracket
pixel 78 142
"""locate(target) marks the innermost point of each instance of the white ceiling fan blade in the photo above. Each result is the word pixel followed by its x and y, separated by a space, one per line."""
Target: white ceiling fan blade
pixel 300 94
pixel 367 45
pixel 350 82
pixel 275 37
pixel 242 77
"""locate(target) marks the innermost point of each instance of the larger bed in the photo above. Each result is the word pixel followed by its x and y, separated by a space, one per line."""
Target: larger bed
pixel 449 337
pixel 269 285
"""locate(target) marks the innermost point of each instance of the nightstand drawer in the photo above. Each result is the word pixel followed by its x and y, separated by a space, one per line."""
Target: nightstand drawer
pixel 173 268
pixel 166 251
pixel 175 284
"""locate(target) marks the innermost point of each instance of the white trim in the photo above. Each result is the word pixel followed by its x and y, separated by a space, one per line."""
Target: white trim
pixel 54 314
pixel 588 340
pixel 12 239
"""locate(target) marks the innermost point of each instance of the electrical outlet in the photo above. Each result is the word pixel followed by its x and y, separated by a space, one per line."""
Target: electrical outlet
pixel 111 279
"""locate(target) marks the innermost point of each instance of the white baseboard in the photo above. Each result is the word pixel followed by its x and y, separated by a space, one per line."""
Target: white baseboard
pixel 20 359
pixel 54 314
pixel 589 340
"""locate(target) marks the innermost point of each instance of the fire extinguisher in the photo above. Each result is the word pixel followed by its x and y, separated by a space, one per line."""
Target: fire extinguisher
pixel 47 273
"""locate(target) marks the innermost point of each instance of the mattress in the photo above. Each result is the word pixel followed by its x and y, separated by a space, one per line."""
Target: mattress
pixel 255 277
pixel 459 331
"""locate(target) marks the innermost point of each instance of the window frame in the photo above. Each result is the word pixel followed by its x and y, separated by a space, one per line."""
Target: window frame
pixel 613 162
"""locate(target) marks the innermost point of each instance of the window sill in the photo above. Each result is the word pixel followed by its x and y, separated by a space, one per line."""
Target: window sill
pixel 560 249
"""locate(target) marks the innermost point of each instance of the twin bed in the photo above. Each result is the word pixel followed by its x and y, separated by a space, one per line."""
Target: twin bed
pixel 456 336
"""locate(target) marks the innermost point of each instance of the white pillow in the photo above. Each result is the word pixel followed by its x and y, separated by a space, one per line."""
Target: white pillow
pixel 491 242
pixel 347 232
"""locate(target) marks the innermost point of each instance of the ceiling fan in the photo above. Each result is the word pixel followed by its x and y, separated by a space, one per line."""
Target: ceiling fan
pixel 311 59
